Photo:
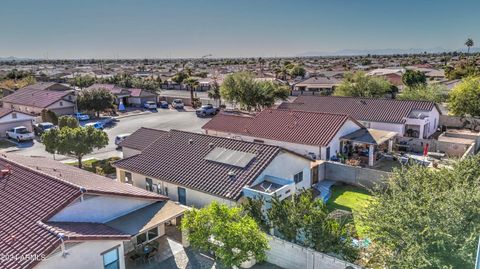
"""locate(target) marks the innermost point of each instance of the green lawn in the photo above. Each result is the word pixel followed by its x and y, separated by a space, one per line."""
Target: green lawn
pixel 85 163
pixel 352 199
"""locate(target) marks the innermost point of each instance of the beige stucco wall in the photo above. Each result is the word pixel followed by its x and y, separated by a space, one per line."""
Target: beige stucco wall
pixel 84 255
pixel 128 152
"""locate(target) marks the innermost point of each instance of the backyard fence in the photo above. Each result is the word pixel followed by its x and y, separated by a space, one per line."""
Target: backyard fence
pixel 291 256
pixel 357 176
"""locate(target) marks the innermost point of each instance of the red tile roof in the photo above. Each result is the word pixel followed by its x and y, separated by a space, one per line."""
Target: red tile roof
pixel 364 109
pixel 92 183
pixel 179 158
pixel 35 97
pixel 84 231
pixel 142 138
pixel 300 127
pixel 29 196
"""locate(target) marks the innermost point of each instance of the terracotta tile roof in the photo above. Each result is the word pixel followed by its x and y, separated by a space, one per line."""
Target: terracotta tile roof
pixel 141 138
pixel 318 81
pixel 229 123
pixel 92 183
pixel 364 109
pixel 300 127
pixel 179 158
pixel 84 231
pixel 35 97
pixel 30 196
pixel 135 92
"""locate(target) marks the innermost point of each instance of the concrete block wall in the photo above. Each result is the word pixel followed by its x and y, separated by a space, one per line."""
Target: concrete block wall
pixel 291 256
pixel 357 176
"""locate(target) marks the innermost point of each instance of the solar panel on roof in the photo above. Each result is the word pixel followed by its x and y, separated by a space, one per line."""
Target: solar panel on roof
pixel 230 157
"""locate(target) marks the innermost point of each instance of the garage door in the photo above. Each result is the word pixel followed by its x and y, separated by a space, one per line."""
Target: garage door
pixel 5 126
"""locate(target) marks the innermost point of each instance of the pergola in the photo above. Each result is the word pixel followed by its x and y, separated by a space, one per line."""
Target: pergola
pixel 371 139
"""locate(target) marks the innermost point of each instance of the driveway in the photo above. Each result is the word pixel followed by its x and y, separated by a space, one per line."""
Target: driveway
pixel 164 119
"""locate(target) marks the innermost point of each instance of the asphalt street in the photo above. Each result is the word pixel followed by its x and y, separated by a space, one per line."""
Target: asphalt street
pixel 164 119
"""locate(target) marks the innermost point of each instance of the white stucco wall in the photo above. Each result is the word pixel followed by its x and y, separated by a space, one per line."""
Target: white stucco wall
pixel 285 166
pixel 128 152
pixel 20 117
pixel 101 208
pixel 390 127
pixel 348 128
pixel 194 198
pixel 84 255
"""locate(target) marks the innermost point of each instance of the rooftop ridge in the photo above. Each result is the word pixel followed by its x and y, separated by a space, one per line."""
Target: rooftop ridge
pixel 367 98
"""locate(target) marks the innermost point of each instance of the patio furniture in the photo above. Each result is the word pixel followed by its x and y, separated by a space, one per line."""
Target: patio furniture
pixel 150 255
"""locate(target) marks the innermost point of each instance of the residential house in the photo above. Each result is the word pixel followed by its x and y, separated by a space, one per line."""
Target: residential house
pixel 54 215
pixel 316 85
pixel 140 140
pixel 128 96
pixel 197 169
pixel 313 134
pixel 44 95
pixel 418 119
pixel 10 118
pixel 393 75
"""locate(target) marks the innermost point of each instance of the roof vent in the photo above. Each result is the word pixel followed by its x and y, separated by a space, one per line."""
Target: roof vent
pixel 190 141
pixel 232 175
pixel 211 145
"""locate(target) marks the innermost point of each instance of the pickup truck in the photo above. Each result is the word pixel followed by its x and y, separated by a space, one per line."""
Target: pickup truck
pixel 20 133
pixel 207 110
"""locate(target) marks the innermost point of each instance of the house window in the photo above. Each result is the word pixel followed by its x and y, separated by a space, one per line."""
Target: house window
pixel 61 103
pixel 327 157
pixel 14 115
pixel 152 233
pixel 128 177
pixel 110 259
pixel 148 184
pixel 141 238
pixel 166 191
pixel 298 177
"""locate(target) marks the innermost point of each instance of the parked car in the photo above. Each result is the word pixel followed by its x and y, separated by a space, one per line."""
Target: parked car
pixel 41 128
pixel 177 104
pixel 119 138
pixel 206 110
pixel 81 116
pixel 96 125
pixel 163 104
pixel 150 105
pixel 20 133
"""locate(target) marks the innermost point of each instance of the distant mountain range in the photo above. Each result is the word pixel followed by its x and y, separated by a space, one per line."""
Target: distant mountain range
pixel 12 58
pixel 352 52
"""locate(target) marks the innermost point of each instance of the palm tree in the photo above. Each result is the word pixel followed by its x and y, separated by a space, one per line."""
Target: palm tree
pixel 469 43
pixel 214 93
pixel 192 84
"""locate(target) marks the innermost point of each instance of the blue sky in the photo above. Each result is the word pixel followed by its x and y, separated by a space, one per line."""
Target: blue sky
pixel 224 28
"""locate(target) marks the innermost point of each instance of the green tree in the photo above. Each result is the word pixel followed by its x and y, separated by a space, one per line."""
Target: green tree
pixel 297 71
pixel 75 142
pixel 413 78
pixel 67 121
pixel 192 84
pixel 433 92
pixel 242 88
pixel 465 98
pixel 49 116
pixel 83 81
pixel 426 218
pixel 214 93
pixel 305 220
pixel 231 235
pixel 358 84
pixel 179 77
pixel 469 43
pixel 97 100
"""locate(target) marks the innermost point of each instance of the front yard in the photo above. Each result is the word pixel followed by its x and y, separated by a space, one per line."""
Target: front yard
pixel 351 199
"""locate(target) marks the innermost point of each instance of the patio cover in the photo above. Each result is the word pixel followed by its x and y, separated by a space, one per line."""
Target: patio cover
pixel 145 218
pixel 369 136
